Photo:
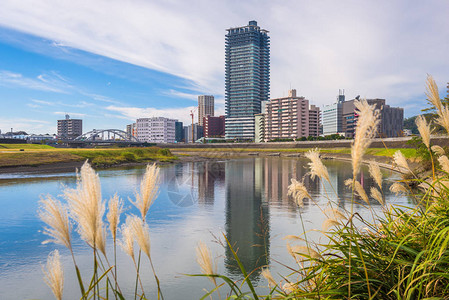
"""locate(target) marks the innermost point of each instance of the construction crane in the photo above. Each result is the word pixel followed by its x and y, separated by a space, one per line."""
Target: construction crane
pixel 192 114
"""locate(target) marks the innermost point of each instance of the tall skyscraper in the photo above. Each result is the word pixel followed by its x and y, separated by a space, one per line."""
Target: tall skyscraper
pixel 205 107
pixel 247 78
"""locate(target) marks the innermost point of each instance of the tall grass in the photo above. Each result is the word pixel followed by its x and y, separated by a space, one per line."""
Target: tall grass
pixel 401 253
pixel 84 209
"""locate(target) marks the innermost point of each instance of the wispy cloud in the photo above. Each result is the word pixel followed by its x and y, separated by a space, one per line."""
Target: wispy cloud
pixel 43 82
pixel 178 94
pixel 133 113
pixel 367 48
pixel 28 125
pixel 71 114
pixel 39 103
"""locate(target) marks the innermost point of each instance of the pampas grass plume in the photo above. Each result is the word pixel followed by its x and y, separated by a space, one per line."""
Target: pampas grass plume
pixel 298 191
pixel 328 223
pixel 438 150
pixel 398 188
pixel 204 260
pixel 115 209
pixel 424 130
pixel 444 163
pixel 365 130
pixel 317 168
pixel 267 275
pixel 400 160
pixel 361 191
pixel 375 173
pixel 87 208
pixel 376 194
pixel 127 242
pixel 141 233
pixel 54 274
pixel 149 188
pixel 55 215
pixel 432 93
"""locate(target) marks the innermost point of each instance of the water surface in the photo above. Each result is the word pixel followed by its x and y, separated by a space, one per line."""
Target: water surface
pixel 244 199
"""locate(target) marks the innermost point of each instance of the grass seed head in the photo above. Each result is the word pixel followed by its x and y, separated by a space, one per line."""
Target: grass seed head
pixel 367 123
pixel 55 215
pixel 54 274
pixel 400 160
pixel 317 168
pixel 149 189
pixel 438 150
pixel 87 208
pixel 375 173
pixel 424 130
pixel 115 209
pixel 204 260
pixel 444 163
pixel 376 194
pixel 361 192
pixel 298 191
pixel 127 242
pixel 398 188
pixel 267 275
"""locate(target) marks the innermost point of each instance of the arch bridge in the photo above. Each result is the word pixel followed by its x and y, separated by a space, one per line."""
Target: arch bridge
pixel 107 136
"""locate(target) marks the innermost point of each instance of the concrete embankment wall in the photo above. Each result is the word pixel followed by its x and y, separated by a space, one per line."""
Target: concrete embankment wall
pixel 377 143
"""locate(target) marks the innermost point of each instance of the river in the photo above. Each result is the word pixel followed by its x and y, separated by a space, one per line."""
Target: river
pixel 245 199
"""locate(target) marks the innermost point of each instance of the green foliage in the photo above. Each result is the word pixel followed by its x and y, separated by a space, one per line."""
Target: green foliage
pixel 165 152
pixel 129 156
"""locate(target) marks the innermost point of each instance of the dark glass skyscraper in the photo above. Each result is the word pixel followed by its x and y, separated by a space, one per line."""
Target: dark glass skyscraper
pixel 247 78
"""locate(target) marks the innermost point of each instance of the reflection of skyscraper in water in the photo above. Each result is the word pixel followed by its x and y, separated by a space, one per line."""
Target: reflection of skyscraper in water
pixel 247 226
pixel 278 174
pixel 208 174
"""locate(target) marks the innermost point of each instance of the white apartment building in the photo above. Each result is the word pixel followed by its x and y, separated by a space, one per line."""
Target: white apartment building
pixel 156 130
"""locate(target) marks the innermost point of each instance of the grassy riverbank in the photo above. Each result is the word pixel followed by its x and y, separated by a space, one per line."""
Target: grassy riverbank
pixel 35 155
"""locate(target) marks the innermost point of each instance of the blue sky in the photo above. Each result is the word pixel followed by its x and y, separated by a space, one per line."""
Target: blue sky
pixel 110 62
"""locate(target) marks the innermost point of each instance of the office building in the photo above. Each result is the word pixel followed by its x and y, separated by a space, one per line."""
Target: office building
pixel 291 118
pixel 391 118
pixel 70 128
pixel 179 132
pixel 197 133
pixel 247 78
pixel 214 127
pixel 205 107
pixel 156 130
pixel 332 116
pixel 131 129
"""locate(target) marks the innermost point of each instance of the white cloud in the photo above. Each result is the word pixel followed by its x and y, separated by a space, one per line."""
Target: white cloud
pixel 43 82
pixel 27 125
pixel 375 49
pixel 71 114
pixel 132 113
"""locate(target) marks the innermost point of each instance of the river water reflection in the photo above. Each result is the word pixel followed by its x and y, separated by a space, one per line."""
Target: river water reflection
pixel 245 199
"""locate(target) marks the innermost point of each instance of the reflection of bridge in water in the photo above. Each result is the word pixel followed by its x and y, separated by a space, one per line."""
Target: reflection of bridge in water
pixel 105 136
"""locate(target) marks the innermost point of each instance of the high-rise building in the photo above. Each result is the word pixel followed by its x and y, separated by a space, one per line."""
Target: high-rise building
pixel 332 116
pixel 197 133
pixel 214 126
pixel 131 129
pixel 290 118
pixel 179 132
pixel 156 130
pixel 205 107
pixel 247 78
pixel 70 128
pixel 391 118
